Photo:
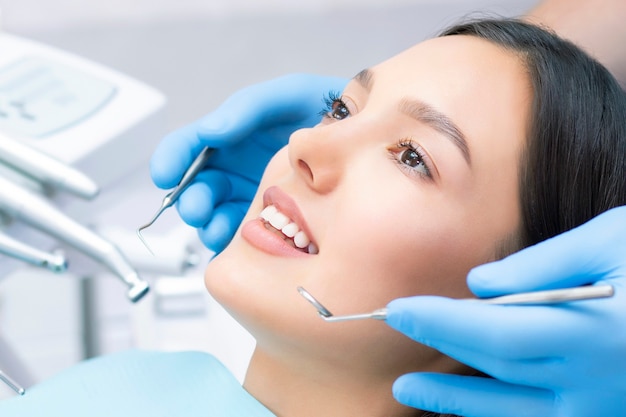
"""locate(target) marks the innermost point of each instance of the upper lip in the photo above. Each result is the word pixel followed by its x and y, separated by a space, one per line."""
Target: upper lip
pixel 286 205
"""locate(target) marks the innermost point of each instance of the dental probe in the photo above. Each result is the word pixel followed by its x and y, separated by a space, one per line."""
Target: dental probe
pixel 525 298
pixel 46 169
pixel 11 383
pixel 18 250
pixel 35 210
pixel 193 170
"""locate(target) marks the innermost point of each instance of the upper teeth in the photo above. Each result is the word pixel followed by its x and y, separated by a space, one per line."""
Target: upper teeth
pixel 290 229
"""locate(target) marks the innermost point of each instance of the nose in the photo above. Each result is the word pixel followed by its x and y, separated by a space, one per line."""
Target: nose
pixel 317 157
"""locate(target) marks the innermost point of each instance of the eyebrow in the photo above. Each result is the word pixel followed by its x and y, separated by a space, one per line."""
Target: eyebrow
pixel 424 113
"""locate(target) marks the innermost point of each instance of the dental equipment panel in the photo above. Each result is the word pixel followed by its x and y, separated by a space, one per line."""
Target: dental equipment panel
pixel 535 297
pixel 63 120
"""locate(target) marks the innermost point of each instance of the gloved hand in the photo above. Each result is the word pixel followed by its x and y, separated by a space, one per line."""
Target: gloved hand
pixel 247 129
pixel 566 360
pixel 139 384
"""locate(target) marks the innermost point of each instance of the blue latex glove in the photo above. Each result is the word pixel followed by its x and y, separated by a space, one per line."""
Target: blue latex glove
pixel 565 360
pixel 248 129
pixel 139 384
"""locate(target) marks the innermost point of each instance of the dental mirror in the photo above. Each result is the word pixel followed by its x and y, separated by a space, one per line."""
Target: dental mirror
pixel 526 298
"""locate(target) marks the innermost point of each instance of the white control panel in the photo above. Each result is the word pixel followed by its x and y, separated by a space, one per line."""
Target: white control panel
pixel 39 97
pixel 80 112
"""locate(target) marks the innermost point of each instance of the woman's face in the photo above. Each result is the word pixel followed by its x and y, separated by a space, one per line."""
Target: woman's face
pixel 409 182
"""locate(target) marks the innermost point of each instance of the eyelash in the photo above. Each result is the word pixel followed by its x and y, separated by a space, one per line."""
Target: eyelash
pixel 405 145
pixel 333 101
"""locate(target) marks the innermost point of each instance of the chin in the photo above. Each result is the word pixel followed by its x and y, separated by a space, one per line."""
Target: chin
pixel 220 276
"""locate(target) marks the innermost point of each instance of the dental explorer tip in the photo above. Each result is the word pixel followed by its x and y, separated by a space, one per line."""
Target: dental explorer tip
pixel 140 236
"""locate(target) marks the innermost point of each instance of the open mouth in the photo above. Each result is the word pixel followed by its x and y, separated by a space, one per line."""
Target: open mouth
pixel 292 234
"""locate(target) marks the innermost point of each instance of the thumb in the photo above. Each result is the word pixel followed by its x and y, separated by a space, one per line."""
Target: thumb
pixel 591 252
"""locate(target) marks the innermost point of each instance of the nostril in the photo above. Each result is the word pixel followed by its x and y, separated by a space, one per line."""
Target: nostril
pixel 306 170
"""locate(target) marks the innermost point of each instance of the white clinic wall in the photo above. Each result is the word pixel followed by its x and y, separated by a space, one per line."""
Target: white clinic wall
pixel 196 52
pixel 199 51
pixel 52 14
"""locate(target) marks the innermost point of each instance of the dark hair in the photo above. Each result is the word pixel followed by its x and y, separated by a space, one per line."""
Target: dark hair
pixel 573 166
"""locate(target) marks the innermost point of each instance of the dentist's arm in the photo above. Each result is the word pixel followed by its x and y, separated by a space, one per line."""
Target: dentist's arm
pixel 595 25
pixel 247 130
pixel 559 360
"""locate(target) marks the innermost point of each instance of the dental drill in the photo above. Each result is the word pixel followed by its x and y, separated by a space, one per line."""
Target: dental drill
pixel 35 210
pixel 18 250
pixel 46 169
pixel 11 383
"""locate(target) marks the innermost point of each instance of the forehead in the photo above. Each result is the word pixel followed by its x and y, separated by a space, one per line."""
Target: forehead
pixel 482 87
pixel 462 63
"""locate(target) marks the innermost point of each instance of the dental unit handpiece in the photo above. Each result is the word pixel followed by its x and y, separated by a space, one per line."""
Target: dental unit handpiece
pixel 11 383
pixel 525 298
pixel 193 170
pixel 19 250
pixel 46 169
pixel 36 211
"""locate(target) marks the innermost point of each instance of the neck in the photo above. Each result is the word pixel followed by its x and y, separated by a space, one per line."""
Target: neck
pixel 306 389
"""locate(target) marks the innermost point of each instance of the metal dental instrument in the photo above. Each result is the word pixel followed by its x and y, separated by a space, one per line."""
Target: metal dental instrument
pixel 193 170
pixel 18 250
pixel 11 383
pixel 35 210
pixel 527 298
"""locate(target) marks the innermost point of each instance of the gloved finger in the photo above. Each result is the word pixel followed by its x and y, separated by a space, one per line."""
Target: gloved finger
pixel 286 99
pixel 472 396
pixel 173 155
pixel 580 256
pixel 209 190
pixel 220 230
pixel 248 161
pixel 504 332
pixel 539 372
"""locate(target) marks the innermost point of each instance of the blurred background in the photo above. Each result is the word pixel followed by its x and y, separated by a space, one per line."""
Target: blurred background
pixel 195 53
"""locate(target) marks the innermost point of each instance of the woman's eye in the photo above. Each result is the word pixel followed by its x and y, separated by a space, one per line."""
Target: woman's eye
pixel 335 107
pixel 409 157
pixel 339 110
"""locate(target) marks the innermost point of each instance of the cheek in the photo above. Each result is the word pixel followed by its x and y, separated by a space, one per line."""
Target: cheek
pixel 397 247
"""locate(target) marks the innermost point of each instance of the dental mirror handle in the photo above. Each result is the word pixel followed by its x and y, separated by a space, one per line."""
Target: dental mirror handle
pixel 552 296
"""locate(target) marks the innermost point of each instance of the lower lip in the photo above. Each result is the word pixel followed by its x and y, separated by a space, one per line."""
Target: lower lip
pixel 255 233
